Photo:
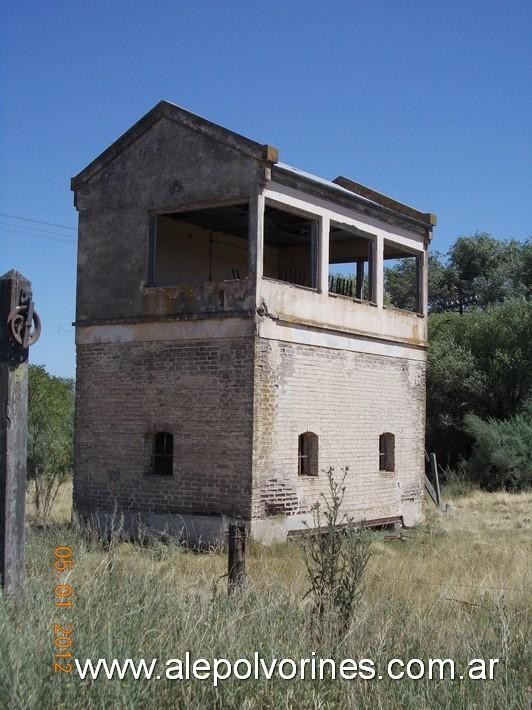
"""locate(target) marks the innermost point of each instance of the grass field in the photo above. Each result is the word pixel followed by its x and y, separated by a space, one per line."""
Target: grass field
pixel 457 587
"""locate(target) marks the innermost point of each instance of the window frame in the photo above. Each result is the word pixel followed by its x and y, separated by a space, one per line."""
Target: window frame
pixel 308 454
pixel 387 452
pixel 161 464
pixel 316 240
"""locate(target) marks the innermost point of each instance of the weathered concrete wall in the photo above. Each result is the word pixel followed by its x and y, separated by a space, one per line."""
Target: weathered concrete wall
pixel 200 390
pixel 168 167
pixel 348 399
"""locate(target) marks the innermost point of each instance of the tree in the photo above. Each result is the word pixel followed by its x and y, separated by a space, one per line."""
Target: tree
pixel 477 271
pixel 50 435
pixel 478 363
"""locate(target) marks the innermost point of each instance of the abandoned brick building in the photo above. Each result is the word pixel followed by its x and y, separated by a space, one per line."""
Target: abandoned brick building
pixel 234 340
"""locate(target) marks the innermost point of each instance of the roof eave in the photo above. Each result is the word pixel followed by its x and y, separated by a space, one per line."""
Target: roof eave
pixel 338 193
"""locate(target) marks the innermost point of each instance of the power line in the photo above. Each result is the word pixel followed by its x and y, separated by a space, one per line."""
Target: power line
pixel 35 235
pixel 30 230
pixel 38 221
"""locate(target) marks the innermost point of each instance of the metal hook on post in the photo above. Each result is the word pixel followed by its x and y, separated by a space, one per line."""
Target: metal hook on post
pixel 20 321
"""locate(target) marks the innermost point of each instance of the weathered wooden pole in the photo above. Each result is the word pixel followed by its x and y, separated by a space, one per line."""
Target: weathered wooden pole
pixel 16 318
pixel 236 560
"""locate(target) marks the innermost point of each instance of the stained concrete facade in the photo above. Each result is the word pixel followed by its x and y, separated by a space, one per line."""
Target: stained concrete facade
pixel 179 331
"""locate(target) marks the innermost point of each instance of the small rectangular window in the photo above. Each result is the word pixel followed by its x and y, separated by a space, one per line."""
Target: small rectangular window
pixel 308 454
pixel 387 452
pixel 162 454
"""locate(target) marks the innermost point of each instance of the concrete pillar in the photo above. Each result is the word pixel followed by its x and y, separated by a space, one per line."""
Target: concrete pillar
pixel 256 238
pixel 323 280
pixel 378 271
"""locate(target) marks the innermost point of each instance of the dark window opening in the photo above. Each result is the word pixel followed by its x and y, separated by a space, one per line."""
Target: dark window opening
pixel 290 247
pixel 162 458
pixel 307 454
pixel 351 259
pixel 200 246
pixel 402 278
pixel 387 452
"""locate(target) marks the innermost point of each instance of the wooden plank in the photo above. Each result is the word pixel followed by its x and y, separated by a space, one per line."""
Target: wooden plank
pixel 435 478
pixel 431 491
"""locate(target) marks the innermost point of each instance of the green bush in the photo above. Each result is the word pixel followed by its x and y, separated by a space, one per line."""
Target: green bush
pixel 502 454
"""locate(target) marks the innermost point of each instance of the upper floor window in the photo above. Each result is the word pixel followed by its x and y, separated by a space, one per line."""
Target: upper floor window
pixel 307 454
pixel 199 246
pixel 403 279
pixel 351 263
pixel 162 457
pixel 290 247
pixel 387 452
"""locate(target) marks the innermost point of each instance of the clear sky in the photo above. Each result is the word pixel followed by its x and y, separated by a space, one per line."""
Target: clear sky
pixel 425 100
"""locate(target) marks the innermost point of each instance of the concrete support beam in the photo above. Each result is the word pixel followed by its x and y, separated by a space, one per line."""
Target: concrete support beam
pixel 323 280
pixel 378 271
pixel 256 237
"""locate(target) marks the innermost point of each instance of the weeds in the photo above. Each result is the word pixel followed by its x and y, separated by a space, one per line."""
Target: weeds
pixel 335 553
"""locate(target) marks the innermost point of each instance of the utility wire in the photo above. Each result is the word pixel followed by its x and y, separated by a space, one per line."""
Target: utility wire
pixel 30 230
pixel 38 221
pixel 34 235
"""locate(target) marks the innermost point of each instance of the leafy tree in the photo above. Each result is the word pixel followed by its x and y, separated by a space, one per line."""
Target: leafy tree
pixel 478 363
pixel 486 269
pixel 477 271
pixel 50 435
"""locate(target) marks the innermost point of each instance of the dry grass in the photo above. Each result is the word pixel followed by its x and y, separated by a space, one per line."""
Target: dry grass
pixel 481 545
pixel 458 586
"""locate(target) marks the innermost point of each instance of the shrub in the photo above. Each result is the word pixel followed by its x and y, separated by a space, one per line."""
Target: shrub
pixel 502 454
pixel 335 553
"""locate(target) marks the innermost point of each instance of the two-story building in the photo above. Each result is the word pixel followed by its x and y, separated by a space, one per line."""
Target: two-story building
pixel 234 340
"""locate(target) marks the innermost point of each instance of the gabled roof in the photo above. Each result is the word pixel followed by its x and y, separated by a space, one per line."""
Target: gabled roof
pixel 341 187
pixel 165 109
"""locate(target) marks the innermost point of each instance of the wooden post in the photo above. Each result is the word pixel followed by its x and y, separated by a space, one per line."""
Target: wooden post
pixel 236 561
pixel 16 318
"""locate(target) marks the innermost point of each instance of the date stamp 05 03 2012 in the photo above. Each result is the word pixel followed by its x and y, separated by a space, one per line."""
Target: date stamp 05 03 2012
pixel 63 563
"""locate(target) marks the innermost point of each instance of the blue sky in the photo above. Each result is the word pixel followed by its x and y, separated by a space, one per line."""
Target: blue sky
pixel 427 101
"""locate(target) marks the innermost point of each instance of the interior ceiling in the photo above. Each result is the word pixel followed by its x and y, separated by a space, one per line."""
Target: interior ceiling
pixel 231 219
pixel 280 227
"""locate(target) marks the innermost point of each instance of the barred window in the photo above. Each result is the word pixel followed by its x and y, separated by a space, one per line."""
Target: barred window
pixel 162 457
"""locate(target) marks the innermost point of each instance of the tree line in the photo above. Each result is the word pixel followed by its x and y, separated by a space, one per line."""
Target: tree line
pixel 479 369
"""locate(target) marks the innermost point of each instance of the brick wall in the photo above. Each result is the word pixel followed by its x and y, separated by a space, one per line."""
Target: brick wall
pixel 200 391
pixel 348 399
pixel 207 393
